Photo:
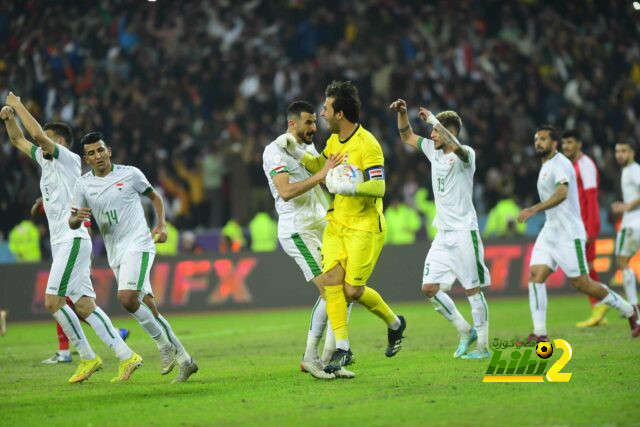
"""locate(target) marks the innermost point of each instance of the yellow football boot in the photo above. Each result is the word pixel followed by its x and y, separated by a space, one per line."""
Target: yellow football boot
pixel 85 369
pixel 597 317
pixel 127 367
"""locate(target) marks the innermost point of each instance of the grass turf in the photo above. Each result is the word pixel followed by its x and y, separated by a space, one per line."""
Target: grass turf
pixel 249 374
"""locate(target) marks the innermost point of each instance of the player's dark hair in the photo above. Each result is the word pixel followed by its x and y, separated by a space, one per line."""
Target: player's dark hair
pixel 61 129
pixel 296 108
pixel 90 138
pixel 628 142
pixel 553 133
pixel 571 133
pixel 450 120
pixel 345 99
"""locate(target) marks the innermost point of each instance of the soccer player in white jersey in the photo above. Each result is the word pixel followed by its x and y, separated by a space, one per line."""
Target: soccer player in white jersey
pixel 457 251
pixel 628 238
pixel 111 193
pixel 71 249
pixel 302 206
pixel 561 242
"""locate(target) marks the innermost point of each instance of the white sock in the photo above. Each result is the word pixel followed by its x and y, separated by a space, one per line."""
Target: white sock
pixel 538 306
pixel 182 356
pixel 316 328
pixel 616 301
pixel 101 323
pixel 629 283
pixel 395 325
pixel 64 352
pixel 330 339
pixel 71 326
pixel 480 314
pixel 146 319
pixel 445 306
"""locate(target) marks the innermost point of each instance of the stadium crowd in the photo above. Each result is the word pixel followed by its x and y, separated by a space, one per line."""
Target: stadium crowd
pixel 191 92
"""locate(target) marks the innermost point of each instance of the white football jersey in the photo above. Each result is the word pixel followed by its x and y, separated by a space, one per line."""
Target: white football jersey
pixel 59 175
pixel 630 192
pixel 115 204
pixel 452 182
pixel 564 219
pixel 303 211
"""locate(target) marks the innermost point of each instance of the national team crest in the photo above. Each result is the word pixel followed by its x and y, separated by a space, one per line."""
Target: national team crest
pixel 120 186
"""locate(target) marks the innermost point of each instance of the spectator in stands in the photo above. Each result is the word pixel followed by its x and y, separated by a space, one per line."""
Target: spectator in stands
pixel 402 223
pixel 24 242
pixel 264 233
pixel 502 220
pixel 427 207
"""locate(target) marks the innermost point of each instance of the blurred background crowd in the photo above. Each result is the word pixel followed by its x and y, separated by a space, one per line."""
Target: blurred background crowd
pixel 191 93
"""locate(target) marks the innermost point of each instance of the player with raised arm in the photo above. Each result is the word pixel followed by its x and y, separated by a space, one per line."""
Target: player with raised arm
pixel 561 242
pixel 628 238
pixel 355 233
pixel 302 207
pixel 112 194
pixel 70 273
pixel 588 181
pixel 457 251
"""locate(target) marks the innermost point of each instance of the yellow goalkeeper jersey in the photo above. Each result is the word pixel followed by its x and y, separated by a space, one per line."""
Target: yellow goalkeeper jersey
pixel 363 151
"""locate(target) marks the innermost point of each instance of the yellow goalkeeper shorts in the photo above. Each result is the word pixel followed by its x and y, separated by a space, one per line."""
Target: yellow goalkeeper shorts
pixel 356 251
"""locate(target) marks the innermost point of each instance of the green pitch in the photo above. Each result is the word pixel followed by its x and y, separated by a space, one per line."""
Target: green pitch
pixel 249 375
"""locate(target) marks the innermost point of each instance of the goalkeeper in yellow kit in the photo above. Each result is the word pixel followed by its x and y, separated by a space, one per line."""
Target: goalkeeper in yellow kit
pixel 356 227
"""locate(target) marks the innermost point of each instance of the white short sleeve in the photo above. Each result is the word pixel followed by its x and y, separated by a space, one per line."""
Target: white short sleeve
pixel 427 147
pixel 78 200
pixel 274 163
pixel 36 154
pixel 560 175
pixel 140 182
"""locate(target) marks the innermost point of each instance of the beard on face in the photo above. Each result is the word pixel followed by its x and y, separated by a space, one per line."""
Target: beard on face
pixel 307 138
pixel 543 152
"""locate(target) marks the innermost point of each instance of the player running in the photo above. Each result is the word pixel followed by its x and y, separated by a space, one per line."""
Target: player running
pixel 354 236
pixel 628 238
pixel 302 206
pixel 70 249
pixel 111 193
pixel 457 251
pixel 561 241
pixel 587 180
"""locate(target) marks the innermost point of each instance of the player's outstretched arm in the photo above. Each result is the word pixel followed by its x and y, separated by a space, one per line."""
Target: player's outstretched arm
pixel 562 189
pixel 289 190
pixel 15 133
pixel 31 124
pixel 404 127
pixel 160 231
pixel 447 137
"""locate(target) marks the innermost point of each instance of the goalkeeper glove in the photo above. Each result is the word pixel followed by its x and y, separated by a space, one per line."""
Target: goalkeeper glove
pixel 288 143
pixel 335 185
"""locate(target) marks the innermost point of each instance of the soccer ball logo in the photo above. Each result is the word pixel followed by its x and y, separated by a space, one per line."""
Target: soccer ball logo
pixel 349 173
pixel 544 349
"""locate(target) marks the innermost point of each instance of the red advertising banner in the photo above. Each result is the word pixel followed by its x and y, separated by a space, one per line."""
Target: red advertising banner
pixel 263 280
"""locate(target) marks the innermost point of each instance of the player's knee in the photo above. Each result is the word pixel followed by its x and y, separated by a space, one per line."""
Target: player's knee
pixel 430 289
pixel 53 303
pixel 580 282
pixel 129 300
pixel 85 308
pixel 352 293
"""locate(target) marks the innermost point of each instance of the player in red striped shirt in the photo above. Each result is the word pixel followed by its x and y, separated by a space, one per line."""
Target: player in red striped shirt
pixel 588 181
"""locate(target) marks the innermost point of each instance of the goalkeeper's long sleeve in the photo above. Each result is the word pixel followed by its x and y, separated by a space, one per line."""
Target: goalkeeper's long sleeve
pixel 313 163
pixel 372 188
